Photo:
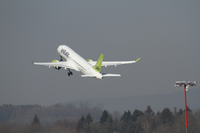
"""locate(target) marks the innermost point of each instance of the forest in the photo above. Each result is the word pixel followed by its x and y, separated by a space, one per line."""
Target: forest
pixel 83 118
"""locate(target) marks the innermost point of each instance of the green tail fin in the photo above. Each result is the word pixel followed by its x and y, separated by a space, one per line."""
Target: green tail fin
pixel 97 67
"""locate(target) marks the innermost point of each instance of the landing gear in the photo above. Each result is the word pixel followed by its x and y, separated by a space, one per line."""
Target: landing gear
pixel 61 59
pixel 69 73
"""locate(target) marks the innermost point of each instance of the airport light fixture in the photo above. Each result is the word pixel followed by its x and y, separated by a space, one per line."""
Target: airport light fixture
pixel 186 87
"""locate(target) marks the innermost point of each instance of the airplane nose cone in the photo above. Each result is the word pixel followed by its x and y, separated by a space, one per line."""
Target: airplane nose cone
pixel 59 48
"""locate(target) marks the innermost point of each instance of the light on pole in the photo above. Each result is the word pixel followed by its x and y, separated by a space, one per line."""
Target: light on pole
pixel 186 87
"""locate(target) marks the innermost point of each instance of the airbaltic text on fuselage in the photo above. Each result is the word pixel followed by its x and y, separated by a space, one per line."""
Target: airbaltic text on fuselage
pixel 65 53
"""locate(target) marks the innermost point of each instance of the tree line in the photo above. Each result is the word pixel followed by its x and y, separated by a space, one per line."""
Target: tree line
pixel 138 121
pixel 141 122
pixel 48 114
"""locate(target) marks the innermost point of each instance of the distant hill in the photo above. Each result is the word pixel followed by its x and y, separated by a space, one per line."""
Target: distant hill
pixel 157 102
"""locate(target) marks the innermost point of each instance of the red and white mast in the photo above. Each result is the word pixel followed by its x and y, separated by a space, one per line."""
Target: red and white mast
pixel 186 87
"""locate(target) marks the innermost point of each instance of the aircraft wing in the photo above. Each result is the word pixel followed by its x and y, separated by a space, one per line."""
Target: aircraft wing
pixel 63 64
pixel 112 63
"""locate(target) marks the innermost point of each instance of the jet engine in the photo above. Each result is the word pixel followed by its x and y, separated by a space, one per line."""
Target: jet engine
pixel 56 67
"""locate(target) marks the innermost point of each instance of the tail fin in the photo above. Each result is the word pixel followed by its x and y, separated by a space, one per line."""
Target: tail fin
pixel 97 67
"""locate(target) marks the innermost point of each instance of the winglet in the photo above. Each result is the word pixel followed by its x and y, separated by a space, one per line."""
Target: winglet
pixel 137 60
pixel 32 61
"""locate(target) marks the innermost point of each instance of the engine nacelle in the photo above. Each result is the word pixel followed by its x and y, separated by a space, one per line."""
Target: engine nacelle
pixel 57 68
pixel 89 60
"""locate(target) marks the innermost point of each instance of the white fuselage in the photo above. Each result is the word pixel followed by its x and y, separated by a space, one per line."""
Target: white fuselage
pixel 79 63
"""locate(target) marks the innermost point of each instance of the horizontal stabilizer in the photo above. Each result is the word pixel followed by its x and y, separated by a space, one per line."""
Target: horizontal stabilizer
pixel 110 75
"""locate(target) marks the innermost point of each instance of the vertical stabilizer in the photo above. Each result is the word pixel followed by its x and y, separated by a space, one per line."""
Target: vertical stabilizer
pixel 97 67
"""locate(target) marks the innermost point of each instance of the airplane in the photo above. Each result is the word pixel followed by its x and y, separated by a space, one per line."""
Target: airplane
pixel 88 68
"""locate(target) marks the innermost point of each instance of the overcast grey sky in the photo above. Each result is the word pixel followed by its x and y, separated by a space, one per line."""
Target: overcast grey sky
pixel 165 34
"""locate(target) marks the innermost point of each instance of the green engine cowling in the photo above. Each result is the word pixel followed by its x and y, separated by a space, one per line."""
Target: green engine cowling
pixel 57 68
